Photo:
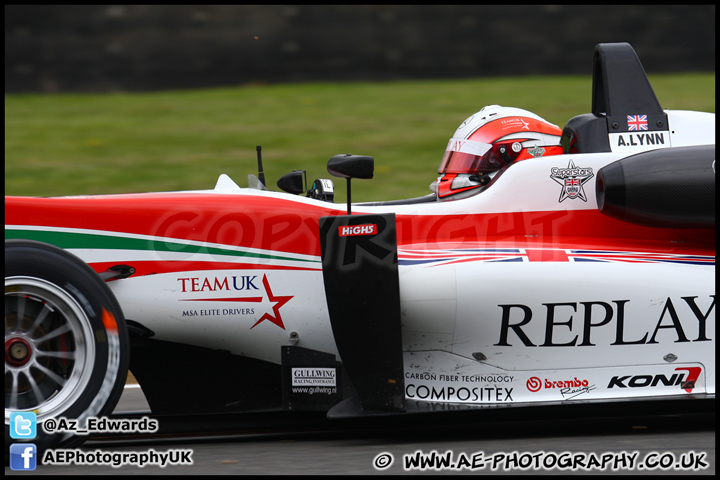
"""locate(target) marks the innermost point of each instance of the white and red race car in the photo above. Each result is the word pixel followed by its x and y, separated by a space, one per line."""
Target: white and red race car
pixel 547 266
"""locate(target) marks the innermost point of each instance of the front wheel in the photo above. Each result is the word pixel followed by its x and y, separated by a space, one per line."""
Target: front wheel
pixel 66 344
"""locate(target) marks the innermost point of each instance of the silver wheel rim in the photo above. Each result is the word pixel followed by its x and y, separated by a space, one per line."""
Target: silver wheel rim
pixel 49 352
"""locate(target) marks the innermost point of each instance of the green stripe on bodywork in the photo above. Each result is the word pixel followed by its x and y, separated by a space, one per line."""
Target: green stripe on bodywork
pixel 95 241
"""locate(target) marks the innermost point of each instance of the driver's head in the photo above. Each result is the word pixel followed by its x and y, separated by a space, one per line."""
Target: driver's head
pixel 489 141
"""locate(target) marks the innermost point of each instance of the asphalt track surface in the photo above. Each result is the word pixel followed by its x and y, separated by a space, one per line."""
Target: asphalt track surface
pixel 511 445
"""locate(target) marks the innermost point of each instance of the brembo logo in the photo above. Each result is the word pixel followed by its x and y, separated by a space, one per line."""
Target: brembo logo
pixel 534 384
pixel 354 230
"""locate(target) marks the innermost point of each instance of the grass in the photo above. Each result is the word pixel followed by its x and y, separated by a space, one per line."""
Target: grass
pixel 73 144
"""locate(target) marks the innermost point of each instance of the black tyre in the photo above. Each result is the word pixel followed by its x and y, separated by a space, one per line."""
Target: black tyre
pixel 66 344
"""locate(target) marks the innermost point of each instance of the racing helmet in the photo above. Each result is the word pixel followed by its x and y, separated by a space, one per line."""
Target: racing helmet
pixel 489 141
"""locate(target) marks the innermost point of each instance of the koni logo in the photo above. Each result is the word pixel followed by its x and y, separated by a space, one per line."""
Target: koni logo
pixel 684 380
pixel 354 230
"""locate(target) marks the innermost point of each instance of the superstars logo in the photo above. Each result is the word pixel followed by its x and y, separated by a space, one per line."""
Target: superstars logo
pixel 572 179
pixel 536 151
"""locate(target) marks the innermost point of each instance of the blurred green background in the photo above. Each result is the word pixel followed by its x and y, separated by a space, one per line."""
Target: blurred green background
pixel 70 144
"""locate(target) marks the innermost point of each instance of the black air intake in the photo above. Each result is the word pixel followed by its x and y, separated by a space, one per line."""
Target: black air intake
pixel 668 188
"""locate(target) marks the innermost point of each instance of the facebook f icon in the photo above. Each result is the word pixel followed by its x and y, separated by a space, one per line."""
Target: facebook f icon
pixel 23 456
pixel 23 425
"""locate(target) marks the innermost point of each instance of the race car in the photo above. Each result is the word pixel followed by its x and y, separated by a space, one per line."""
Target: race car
pixel 547 266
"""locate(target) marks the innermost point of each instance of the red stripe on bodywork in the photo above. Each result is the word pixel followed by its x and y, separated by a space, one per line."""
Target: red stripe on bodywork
pixel 286 225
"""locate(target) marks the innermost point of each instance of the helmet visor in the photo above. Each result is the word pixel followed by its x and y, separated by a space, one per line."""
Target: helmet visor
pixel 469 156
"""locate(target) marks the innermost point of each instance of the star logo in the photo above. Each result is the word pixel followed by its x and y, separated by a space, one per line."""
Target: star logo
pixel 572 179
pixel 278 302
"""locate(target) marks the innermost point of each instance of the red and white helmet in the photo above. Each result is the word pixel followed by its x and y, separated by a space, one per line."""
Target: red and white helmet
pixel 490 140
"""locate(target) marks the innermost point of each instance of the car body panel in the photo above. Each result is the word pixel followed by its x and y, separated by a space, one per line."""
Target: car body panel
pixel 526 292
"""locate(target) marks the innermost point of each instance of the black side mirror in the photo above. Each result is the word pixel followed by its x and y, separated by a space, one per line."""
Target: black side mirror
pixel 293 182
pixel 351 166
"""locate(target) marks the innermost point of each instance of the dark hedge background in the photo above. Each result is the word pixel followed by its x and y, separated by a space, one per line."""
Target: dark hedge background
pixel 143 47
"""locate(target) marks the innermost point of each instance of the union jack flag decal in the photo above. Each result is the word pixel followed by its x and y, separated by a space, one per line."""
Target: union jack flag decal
pixel 439 257
pixel 637 122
